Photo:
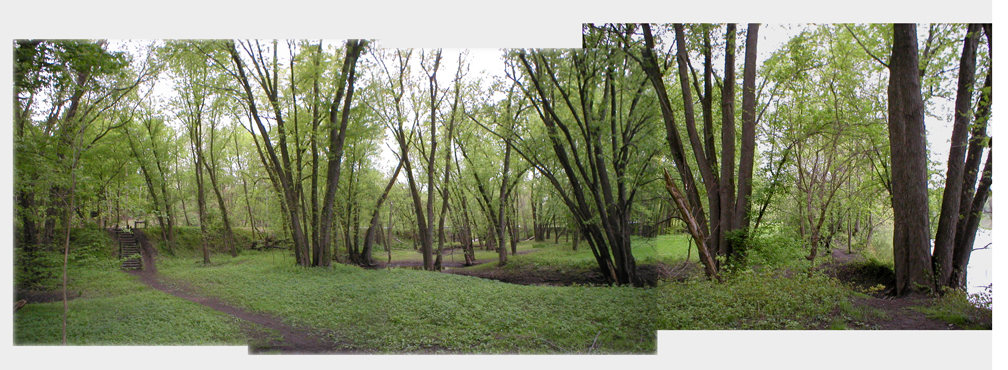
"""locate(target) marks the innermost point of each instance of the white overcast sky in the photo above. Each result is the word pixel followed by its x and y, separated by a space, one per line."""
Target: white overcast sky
pixel 465 24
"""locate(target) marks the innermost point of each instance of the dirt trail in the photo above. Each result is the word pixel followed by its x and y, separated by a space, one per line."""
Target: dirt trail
pixel 898 314
pixel 266 333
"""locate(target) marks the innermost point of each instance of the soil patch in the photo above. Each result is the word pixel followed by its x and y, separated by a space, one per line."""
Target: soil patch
pixel 898 314
pixel 445 262
pixel 43 296
pixel 860 274
pixel 878 281
pixel 553 276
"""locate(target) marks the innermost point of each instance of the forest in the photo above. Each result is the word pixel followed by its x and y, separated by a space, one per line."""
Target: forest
pixel 341 196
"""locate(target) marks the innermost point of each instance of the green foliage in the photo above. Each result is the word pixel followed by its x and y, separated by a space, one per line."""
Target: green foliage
pixel 40 270
pixel 190 241
pixel 776 249
pixel 36 269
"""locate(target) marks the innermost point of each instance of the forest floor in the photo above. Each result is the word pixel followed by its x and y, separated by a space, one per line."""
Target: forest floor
pixel 887 311
pixel 271 334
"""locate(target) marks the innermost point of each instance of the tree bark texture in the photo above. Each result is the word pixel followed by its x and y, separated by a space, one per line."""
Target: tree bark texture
pixel 951 196
pixel 907 143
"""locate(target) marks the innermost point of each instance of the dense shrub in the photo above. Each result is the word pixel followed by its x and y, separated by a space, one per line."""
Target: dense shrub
pixel 189 241
pixel 40 269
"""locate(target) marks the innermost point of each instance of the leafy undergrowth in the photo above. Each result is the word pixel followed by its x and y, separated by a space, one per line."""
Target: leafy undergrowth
pixel 113 308
pixel 967 311
pixel 750 300
pixel 400 310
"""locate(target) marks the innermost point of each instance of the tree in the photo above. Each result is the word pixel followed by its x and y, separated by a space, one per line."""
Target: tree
pixel 79 87
pixel 908 148
pixel 918 270
pixel 196 103
pixel 337 138
pixel 149 143
pixel 722 200
pixel 594 116
pixel 970 212
pixel 281 171
pixel 950 217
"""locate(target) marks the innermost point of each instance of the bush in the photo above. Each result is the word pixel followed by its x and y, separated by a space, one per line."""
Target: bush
pixel 773 250
pixel 189 241
pixel 39 269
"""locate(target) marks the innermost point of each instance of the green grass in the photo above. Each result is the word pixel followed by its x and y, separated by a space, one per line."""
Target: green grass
pixel 961 309
pixel 113 308
pixel 400 310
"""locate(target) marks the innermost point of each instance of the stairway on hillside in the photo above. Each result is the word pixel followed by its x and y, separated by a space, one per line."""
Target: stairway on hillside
pixel 128 246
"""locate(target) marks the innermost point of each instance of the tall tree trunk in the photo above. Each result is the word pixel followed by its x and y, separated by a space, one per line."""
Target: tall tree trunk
pixel 279 170
pixel 710 181
pixel 949 218
pixel 911 225
pixel 241 170
pixel 337 137
pixel 961 256
pixel 965 234
pixel 747 149
pixel 229 238
pixel 650 65
pixel 726 186
pixel 316 119
pixel 66 245
pixel 201 200
pixel 369 236
pixel 501 243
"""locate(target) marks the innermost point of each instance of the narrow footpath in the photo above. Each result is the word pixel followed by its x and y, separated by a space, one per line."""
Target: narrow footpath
pixel 267 334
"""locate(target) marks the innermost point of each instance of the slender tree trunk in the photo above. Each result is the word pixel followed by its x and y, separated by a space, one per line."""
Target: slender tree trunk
pixel 178 184
pixel 707 173
pixel 727 184
pixel 229 238
pixel 501 244
pixel 369 236
pixel 201 200
pixel 949 218
pixel 69 215
pixel 337 137
pixel 966 233
pixel 961 256
pixel 748 146
pixel 241 170
pixel 650 65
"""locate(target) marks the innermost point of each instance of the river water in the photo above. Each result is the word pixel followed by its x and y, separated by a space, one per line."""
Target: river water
pixel 978 271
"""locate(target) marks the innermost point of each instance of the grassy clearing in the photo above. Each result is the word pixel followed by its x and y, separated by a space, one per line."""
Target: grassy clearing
pixel 400 310
pixel 114 308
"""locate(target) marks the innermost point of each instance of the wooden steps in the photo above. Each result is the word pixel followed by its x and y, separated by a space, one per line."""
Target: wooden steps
pixel 129 246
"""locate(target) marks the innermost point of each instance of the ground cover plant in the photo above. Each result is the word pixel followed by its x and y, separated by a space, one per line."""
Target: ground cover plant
pixel 110 307
pixel 402 310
